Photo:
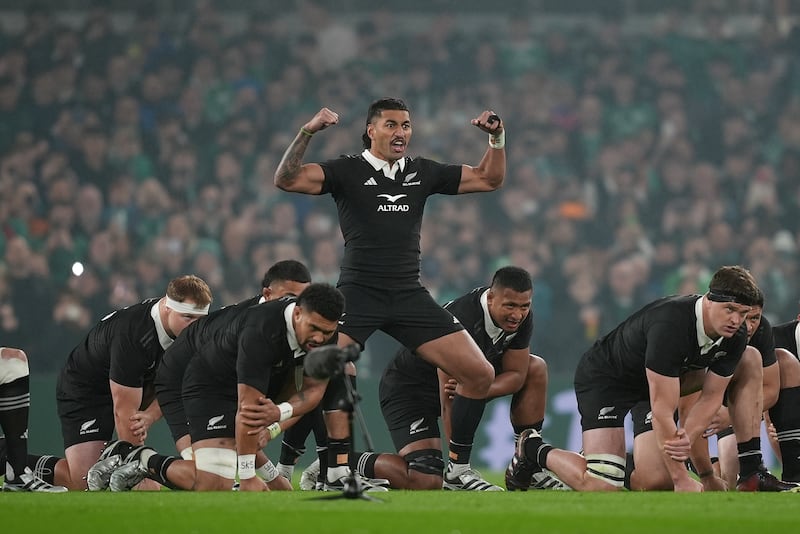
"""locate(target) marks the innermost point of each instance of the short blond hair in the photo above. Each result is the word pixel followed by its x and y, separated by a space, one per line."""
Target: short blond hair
pixel 189 287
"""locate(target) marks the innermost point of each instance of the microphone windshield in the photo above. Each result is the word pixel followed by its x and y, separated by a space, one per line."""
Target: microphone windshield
pixel 324 362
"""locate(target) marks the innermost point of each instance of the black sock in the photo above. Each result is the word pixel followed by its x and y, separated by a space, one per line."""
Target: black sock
pixel 365 463
pixel 44 466
pixel 749 456
pixel 536 451
pixel 630 466
pixel 293 445
pixel 786 418
pixel 338 452
pixel 519 428
pixel 318 426
pixel 15 401
pixel 322 454
pixel 157 466
pixel 289 453
pixel 464 420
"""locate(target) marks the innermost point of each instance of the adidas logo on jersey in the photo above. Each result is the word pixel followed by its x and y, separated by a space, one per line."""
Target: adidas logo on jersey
pixel 371 181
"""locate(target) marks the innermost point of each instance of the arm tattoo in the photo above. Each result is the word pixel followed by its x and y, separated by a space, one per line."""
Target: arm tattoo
pixel 292 160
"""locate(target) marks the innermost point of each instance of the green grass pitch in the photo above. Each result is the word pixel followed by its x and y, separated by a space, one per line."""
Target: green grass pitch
pixel 400 512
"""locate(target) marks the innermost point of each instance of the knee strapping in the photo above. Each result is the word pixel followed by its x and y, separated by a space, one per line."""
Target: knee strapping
pixel 427 461
pixel 217 461
pixel 607 467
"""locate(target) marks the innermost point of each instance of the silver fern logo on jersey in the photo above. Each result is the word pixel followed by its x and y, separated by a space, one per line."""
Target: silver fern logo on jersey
pixel 409 180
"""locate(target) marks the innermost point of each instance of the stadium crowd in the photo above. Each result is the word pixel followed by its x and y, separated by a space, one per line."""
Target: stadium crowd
pixel 638 161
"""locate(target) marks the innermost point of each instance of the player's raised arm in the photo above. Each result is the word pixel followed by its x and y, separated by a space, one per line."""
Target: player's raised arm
pixel 292 174
pixel 489 174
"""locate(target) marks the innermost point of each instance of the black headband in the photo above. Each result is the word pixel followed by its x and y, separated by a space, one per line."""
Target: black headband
pixel 725 297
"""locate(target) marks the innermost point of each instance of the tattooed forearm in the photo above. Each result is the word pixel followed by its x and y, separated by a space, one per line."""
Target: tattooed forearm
pixel 291 162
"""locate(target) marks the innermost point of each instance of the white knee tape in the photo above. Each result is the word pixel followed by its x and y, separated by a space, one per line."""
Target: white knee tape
pixel 220 462
pixel 609 468
pixel 11 367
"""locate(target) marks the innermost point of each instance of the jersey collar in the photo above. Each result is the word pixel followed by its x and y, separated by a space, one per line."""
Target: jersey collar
pixel 163 337
pixel 379 165
pixel 494 331
pixel 291 337
pixel 705 342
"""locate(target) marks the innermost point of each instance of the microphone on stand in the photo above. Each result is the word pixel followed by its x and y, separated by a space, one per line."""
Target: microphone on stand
pixel 328 361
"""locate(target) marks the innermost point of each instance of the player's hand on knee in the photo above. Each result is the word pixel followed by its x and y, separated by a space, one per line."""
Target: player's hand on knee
pixel 140 422
pixel 450 388
pixel 257 415
pixel 772 433
pixel 678 447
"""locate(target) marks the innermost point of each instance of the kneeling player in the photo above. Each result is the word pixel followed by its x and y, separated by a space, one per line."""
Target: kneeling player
pixel 230 386
pixel 15 401
pixel 412 392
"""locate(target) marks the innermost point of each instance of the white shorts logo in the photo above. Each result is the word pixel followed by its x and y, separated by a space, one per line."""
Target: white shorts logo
pixel 414 428
pixel 86 427
pixel 606 413
pixel 212 423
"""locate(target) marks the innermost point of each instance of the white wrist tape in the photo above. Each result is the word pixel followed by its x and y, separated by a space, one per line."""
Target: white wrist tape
pixel 274 429
pixel 498 141
pixel 268 472
pixel 286 411
pixel 247 466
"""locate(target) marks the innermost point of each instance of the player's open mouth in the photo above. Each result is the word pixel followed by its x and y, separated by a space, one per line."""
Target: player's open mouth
pixel 398 145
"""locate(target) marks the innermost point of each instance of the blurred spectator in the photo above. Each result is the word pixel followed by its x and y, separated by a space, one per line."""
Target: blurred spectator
pixel 641 157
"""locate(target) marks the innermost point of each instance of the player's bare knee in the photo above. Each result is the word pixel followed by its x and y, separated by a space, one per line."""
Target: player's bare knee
pixel 537 370
pixel 479 381
pixel 650 480
pixel 750 365
pixel 421 481
pixel 789 368
pixel 9 353
pixel 13 365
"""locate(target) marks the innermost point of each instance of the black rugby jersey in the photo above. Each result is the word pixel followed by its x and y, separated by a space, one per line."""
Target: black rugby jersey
pixel 492 341
pixel 764 341
pixel 250 348
pixel 124 346
pixel 786 336
pixel 380 217
pixel 177 356
pixel 662 337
